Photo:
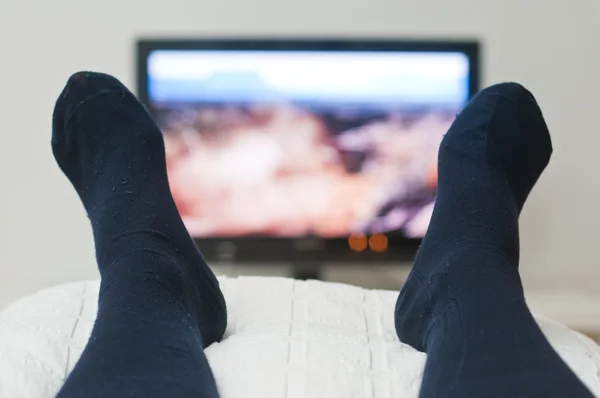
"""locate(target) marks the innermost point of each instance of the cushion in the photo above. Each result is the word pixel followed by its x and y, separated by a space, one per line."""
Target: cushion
pixel 285 339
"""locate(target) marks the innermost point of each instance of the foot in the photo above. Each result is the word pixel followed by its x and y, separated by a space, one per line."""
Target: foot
pixel 113 153
pixel 488 163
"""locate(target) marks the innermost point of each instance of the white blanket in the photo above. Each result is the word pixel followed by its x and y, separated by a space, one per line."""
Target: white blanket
pixel 285 338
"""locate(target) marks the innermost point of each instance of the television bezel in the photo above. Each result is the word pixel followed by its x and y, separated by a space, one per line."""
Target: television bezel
pixel 310 249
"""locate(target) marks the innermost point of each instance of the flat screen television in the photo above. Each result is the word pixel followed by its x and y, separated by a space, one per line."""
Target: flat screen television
pixel 305 150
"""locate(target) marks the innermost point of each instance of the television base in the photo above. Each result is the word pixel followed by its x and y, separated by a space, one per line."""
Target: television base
pixel 307 271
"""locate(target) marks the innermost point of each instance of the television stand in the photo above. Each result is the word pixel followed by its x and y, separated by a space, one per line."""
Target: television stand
pixel 306 271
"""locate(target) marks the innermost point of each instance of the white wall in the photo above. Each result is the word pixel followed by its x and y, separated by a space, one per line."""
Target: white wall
pixel 551 46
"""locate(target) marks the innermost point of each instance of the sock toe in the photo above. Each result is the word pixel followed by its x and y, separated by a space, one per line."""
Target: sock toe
pixel 500 101
pixel 106 100
pixel 80 87
pixel 83 85
pixel 503 127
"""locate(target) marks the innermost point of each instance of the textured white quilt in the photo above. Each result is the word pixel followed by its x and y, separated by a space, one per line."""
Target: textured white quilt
pixel 285 339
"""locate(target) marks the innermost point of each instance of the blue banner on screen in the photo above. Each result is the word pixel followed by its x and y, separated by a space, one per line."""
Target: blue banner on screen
pixel 294 143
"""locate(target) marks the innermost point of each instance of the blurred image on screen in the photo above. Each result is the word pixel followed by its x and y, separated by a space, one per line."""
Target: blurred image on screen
pixel 295 143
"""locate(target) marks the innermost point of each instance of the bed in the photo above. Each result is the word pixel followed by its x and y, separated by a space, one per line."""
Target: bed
pixel 285 339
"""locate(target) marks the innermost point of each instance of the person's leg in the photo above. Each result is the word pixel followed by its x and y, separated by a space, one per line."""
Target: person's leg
pixel 463 302
pixel 159 303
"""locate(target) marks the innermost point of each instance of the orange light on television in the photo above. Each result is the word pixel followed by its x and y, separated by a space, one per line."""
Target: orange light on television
pixel 357 242
pixel 378 243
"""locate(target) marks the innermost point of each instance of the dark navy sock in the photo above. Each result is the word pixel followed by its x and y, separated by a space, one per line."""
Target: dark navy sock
pixel 463 302
pixel 159 302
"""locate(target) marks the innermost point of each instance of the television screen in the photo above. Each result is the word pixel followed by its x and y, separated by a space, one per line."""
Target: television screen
pixel 304 141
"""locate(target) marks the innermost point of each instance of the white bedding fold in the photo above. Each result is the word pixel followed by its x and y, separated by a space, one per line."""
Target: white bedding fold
pixel 285 339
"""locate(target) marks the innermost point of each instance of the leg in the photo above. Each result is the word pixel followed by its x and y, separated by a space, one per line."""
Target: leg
pixel 463 303
pixel 159 303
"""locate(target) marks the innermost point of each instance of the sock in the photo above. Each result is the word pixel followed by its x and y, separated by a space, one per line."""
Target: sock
pixel 463 302
pixel 159 302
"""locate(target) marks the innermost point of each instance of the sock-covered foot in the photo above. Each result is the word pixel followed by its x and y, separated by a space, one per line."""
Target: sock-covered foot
pixel 113 153
pixel 488 162
pixel 463 302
